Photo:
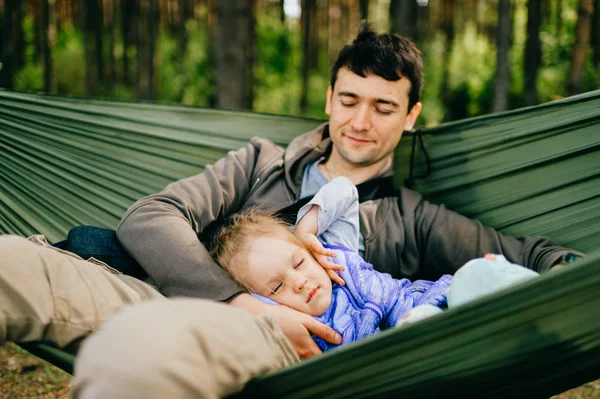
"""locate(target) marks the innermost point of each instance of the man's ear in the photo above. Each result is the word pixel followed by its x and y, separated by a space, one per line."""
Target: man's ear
pixel 412 116
pixel 328 102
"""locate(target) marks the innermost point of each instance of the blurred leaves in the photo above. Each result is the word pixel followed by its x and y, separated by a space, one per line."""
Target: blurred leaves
pixel 186 71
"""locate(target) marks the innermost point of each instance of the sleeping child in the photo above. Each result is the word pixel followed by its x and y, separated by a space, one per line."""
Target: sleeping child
pixel 332 282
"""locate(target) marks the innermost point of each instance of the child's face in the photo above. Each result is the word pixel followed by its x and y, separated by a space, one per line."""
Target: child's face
pixel 288 274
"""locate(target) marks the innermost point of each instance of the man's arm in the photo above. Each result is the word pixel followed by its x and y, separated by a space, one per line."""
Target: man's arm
pixel 162 231
pixel 447 240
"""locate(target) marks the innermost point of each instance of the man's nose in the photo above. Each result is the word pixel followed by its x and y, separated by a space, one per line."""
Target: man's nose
pixel 362 118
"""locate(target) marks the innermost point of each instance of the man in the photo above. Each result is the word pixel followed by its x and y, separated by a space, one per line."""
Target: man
pixel 373 97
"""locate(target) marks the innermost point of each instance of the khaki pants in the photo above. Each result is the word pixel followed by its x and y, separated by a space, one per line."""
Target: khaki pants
pixel 180 348
pixel 47 294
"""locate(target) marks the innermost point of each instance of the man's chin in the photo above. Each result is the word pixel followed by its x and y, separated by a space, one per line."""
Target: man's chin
pixel 356 156
pixel 365 160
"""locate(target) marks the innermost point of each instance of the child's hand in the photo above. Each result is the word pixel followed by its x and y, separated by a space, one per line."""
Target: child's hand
pixel 321 254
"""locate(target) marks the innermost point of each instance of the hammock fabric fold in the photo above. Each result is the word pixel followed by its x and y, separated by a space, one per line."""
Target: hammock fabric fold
pixel 534 171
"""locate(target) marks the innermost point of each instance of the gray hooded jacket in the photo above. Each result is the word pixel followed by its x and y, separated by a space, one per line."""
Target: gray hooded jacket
pixel 405 235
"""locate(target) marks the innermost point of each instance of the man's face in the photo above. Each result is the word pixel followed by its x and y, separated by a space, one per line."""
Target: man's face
pixel 367 116
pixel 287 274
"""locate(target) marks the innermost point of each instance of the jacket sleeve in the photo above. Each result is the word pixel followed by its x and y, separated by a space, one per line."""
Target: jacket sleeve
pixel 391 297
pixel 446 241
pixel 162 231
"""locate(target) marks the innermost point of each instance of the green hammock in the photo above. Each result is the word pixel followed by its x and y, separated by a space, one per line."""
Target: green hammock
pixel 67 162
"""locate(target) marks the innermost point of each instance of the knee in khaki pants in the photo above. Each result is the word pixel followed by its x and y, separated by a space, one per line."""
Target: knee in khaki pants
pixel 26 303
pixel 181 348
pixel 49 295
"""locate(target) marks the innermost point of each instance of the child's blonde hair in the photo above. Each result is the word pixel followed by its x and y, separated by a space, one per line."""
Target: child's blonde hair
pixel 232 240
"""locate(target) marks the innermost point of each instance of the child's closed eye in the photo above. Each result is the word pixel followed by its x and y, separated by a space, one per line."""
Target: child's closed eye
pixel 274 290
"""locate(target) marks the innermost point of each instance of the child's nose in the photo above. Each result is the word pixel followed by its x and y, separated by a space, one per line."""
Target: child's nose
pixel 299 284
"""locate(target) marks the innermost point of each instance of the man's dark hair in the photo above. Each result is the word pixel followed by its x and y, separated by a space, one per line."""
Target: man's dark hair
pixel 390 56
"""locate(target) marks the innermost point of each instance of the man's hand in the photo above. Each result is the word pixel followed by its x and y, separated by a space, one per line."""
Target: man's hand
pixel 564 260
pixel 295 325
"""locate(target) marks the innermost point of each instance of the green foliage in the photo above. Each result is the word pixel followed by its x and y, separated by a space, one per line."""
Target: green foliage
pixel 471 69
pixel 277 71
pixel 517 52
pixel 197 74
pixel 28 33
pixel 68 61
pixel 171 79
pixel 186 72
pixel 433 71
pixel 277 67
pixel 317 94
pixel 556 55
pixel 31 77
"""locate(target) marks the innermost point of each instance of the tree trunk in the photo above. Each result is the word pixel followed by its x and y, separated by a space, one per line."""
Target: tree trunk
pixel 60 12
pixel 234 48
pixel 596 36
pixel 582 42
pixel 111 43
pixel 503 40
pixel 282 11
pixel 403 17
pixel 212 52
pixel 313 38
pixel 12 56
pixel 469 10
pixel 533 51
pixel 422 30
pixel 152 17
pixel 306 29
pixel 77 7
pixel 145 49
pixel 46 48
pixel 128 21
pixel 559 19
pixel 344 25
pixel 250 55
pixel 334 31
pixel 92 34
pixel 186 11
pixel 37 9
pixel 546 11
pixel 323 31
pixel 364 9
pixel 448 28
pixel 90 78
pixel 98 38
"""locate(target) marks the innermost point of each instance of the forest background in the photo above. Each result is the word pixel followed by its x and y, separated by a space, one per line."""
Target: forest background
pixel 274 55
pixel 480 56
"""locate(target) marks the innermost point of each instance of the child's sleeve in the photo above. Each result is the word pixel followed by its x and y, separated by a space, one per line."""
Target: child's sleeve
pixel 393 297
pixel 409 295
pixel 338 222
